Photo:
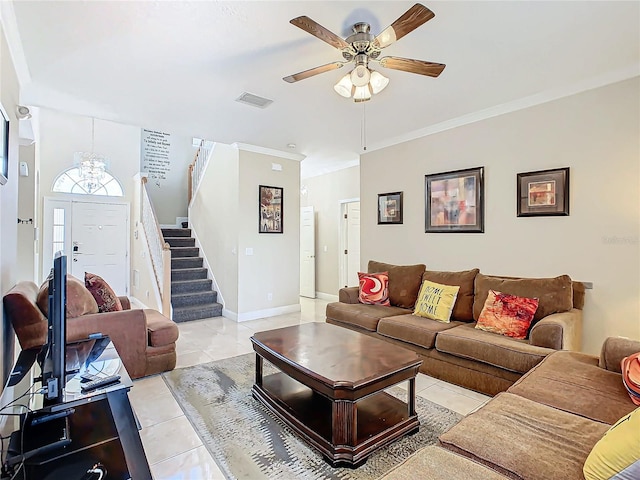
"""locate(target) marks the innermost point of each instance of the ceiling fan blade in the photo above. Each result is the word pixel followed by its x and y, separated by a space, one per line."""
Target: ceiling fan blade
pixel 313 71
pixel 413 66
pixel 412 19
pixel 317 30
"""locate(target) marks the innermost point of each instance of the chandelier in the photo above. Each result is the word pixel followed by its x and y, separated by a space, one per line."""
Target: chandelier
pixel 91 166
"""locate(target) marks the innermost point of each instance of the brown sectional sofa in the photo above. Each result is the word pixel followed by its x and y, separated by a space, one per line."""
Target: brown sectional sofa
pixel 542 428
pixel 457 352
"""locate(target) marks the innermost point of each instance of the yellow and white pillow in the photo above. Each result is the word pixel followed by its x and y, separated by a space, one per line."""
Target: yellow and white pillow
pixel 436 301
pixel 617 454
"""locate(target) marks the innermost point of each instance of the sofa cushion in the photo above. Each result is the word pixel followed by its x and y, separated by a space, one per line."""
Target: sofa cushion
pixel 28 321
pixel 104 295
pixel 413 329
pixel 617 454
pixel 404 282
pixel 436 301
pixel 554 294
pixel 373 288
pixel 162 331
pixel 79 299
pixel 507 314
pixel 524 439
pixel 574 382
pixel 363 316
pixel 497 350
pixel 463 308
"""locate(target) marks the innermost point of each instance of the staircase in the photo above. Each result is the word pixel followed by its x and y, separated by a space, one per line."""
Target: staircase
pixel 192 297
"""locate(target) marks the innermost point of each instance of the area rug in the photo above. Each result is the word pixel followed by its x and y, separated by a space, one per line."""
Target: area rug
pixel 248 442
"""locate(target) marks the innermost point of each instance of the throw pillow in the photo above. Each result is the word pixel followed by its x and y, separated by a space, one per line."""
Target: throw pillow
pixel 436 301
pixel 79 300
pixel 507 314
pixel 374 288
pixel 554 295
pixel 630 367
pixel 106 298
pixel 463 308
pixel 616 455
pixel 404 281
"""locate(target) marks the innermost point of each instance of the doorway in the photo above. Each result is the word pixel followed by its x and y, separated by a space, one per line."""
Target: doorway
pixel 307 252
pixel 349 242
pixel 93 235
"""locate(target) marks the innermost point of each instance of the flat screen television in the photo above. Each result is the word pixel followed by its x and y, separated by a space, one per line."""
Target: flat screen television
pixel 53 363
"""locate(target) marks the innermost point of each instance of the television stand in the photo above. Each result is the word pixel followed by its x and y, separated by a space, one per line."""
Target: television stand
pixel 65 440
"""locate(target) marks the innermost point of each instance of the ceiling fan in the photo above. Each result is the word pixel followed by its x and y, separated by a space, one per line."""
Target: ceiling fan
pixel 362 47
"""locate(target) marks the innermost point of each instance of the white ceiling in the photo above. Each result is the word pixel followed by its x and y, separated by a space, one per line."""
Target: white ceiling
pixel 179 66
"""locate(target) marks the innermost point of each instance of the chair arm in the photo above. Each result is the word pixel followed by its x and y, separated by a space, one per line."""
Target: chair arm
pixel 127 330
pixel 349 295
pixel 614 349
pixel 126 303
pixel 560 331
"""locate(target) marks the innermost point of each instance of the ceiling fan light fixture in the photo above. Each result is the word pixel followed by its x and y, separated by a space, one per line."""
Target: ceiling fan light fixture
pixel 378 82
pixel 344 87
pixel 362 94
pixel 360 76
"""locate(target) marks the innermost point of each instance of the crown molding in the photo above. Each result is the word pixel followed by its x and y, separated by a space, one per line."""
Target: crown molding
pixel 269 151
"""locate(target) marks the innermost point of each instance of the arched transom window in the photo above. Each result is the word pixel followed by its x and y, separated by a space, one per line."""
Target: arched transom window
pixel 71 181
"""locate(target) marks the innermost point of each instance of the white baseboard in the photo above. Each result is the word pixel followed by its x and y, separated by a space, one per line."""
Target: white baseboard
pixel 327 296
pixel 256 314
pixel 135 303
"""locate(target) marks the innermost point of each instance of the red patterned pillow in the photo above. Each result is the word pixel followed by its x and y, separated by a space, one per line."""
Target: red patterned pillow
pixel 106 298
pixel 374 288
pixel 507 314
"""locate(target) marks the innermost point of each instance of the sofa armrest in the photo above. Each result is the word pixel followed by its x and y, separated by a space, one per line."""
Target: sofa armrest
pixel 560 331
pixel 614 349
pixel 349 295
pixel 127 330
pixel 126 303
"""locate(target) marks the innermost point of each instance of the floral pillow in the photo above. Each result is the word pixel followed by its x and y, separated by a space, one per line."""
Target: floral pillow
pixel 374 288
pixel 507 314
pixel 106 298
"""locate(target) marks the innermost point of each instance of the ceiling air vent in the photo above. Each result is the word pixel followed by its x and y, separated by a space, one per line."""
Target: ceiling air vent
pixel 254 100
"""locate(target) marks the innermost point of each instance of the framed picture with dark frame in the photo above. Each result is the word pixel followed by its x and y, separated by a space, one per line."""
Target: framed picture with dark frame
pixel 4 146
pixel 454 201
pixel 270 209
pixel 390 208
pixel 543 193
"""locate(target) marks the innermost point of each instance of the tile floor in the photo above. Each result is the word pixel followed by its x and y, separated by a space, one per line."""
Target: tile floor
pixel 202 341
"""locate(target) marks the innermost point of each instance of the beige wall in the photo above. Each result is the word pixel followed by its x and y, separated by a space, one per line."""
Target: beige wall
pixel 596 134
pixel 214 221
pixel 274 267
pixel 26 211
pixel 324 193
pixel 9 95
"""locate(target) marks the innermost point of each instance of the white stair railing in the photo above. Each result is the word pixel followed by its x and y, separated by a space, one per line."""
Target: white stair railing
pixel 159 250
pixel 196 168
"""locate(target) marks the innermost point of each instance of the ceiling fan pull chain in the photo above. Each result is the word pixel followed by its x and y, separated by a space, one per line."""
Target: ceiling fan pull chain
pixel 363 129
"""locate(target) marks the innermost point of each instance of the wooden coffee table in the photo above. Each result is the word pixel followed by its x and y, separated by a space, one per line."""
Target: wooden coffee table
pixel 330 386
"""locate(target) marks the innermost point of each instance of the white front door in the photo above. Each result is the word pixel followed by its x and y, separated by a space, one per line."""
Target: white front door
pixel 93 235
pixel 307 253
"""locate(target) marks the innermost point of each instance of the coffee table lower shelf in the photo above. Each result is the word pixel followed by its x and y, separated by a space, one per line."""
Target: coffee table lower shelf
pixel 378 419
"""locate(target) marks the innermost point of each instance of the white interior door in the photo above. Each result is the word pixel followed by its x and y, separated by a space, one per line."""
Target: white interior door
pixel 350 244
pixel 307 253
pixel 94 237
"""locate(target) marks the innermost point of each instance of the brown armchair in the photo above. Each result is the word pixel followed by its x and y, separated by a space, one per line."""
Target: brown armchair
pixel 145 339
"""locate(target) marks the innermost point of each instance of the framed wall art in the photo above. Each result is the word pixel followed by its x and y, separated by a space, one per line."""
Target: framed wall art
pixel 389 208
pixel 270 212
pixel 4 146
pixel 543 193
pixel 454 201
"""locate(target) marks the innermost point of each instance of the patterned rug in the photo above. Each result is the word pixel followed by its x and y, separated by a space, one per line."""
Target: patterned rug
pixel 248 442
